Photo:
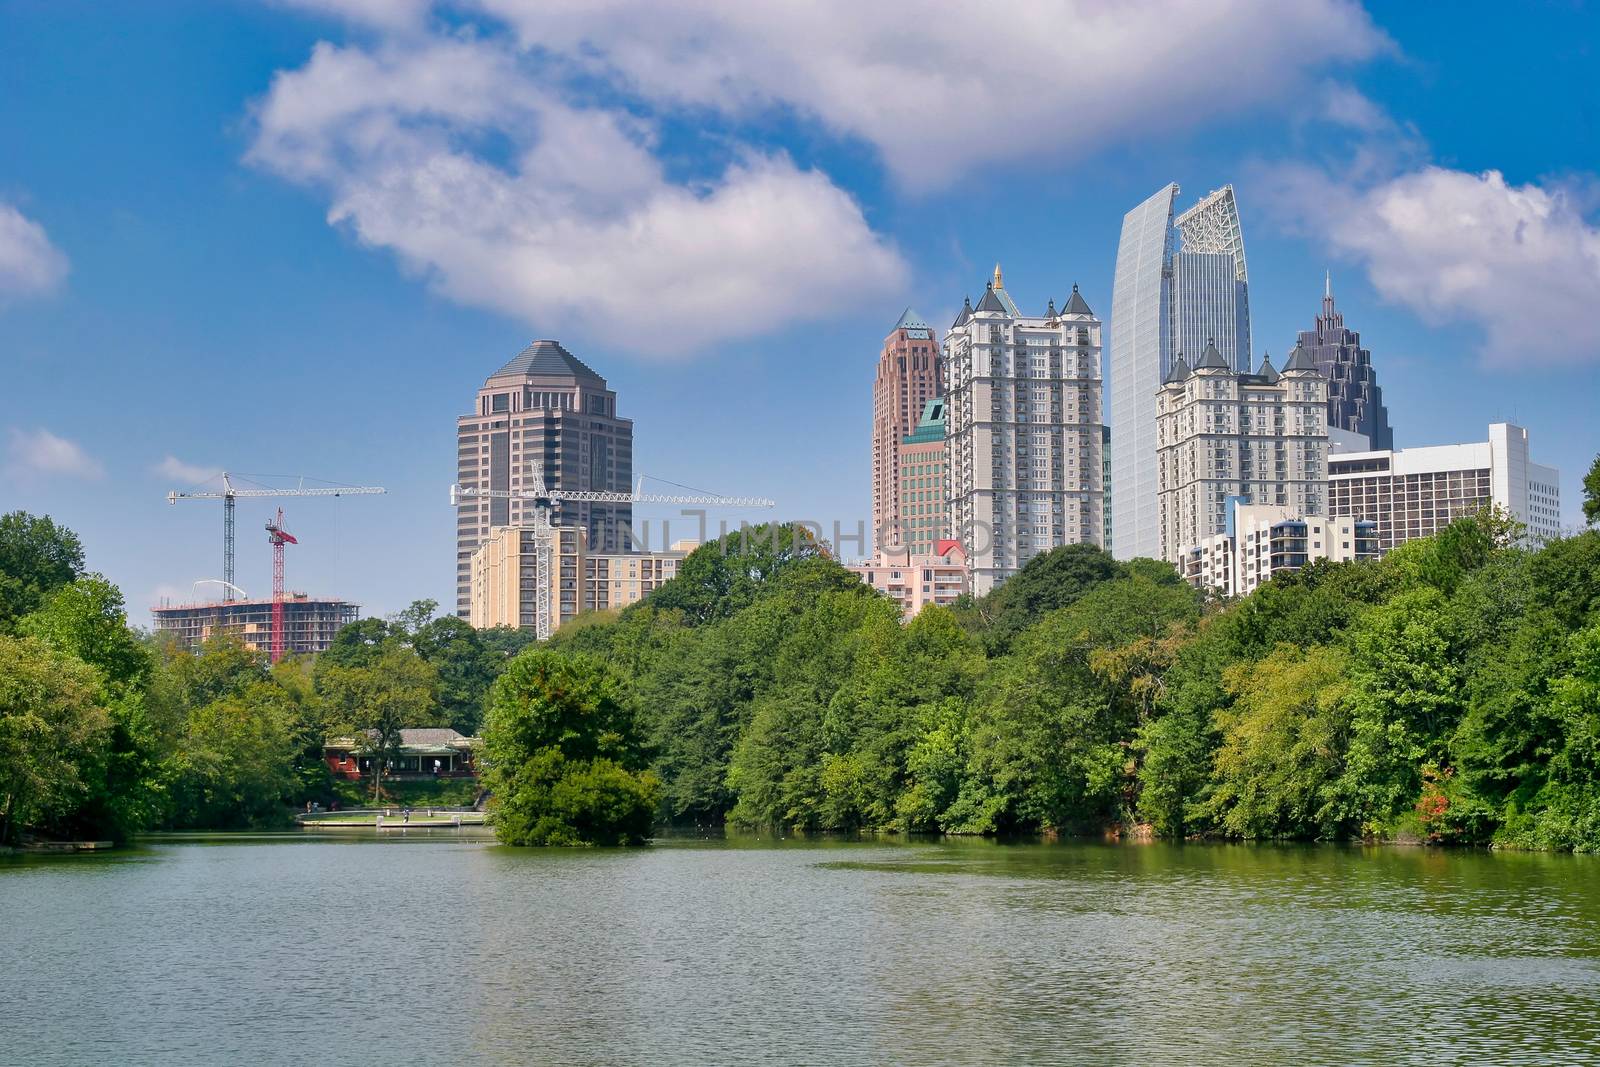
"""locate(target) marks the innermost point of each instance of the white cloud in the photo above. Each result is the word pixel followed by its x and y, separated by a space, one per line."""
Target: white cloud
pixel 458 147
pixel 187 473
pixel 1520 262
pixel 941 88
pixel 383 14
pixel 39 454
pixel 29 264
pixel 578 228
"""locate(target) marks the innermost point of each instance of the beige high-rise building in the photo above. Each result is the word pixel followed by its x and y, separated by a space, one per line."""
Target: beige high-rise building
pixel 545 406
pixel 1024 431
pixel 505 586
pixel 1222 435
pixel 909 375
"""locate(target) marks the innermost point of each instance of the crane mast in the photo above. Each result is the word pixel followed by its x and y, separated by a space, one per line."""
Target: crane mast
pixel 277 536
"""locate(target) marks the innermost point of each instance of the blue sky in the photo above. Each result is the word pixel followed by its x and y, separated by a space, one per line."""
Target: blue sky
pixel 293 237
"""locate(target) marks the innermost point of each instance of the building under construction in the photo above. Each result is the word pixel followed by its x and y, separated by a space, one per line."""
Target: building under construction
pixel 309 624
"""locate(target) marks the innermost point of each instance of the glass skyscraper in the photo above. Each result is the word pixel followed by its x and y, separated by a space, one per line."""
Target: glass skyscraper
pixel 1180 285
pixel 1141 354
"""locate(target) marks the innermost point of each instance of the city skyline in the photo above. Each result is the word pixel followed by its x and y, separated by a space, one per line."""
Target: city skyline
pixel 226 292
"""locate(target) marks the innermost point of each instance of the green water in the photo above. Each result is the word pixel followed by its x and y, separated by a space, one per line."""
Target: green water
pixel 442 947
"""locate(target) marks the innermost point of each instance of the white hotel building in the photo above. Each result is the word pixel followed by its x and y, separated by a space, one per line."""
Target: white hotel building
pixel 1024 431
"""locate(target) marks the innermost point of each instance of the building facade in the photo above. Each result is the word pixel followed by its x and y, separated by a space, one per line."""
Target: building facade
pixel 1355 403
pixel 1023 431
pixel 1181 284
pixel 1262 540
pixel 546 407
pixel 309 623
pixel 922 483
pixel 917 579
pixel 1222 435
pixel 1416 492
pixel 910 375
pixel 505 587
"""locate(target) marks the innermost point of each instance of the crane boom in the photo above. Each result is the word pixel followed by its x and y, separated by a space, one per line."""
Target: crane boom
pixel 230 493
pixel 546 500
pixel 597 496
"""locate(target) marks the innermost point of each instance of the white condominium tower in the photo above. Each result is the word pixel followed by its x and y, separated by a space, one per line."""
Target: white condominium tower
pixel 1170 298
pixel 1223 435
pixel 1023 431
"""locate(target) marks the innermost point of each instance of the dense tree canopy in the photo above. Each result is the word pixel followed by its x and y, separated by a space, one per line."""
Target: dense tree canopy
pixel 37 557
pixel 565 760
pixel 1449 692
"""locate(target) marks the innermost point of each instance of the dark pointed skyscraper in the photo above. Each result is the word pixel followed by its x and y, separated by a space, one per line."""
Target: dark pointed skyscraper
pixel 1355 403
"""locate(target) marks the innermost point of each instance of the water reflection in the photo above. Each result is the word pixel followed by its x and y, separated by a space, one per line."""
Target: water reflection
pixel 446 948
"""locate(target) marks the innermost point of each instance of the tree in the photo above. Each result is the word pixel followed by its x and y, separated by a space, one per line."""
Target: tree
pixel 1591 493
pixel 722 576
pixel 566 763
pixel 236 766
pixel 1047 582
pixel 378 701
pixel 53 731
pixel 37 557
pixel 1283 744
pixel 85 619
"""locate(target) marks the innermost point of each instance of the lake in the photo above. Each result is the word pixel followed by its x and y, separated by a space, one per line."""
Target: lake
pixel 443 947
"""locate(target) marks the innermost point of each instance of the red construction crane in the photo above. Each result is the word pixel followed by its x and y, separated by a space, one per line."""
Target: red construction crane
pixel 277 536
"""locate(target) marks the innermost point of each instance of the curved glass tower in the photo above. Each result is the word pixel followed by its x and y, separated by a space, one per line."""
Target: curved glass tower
pixel 1141 352
pixel 1181 285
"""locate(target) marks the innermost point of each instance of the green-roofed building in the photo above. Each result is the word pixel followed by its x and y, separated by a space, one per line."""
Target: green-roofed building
pixel 924 486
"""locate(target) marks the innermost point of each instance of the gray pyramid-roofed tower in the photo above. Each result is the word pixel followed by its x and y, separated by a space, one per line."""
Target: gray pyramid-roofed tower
pixel 1211 359
pixel 1355 402
pixel 1266 373
pixel 1300 361
pixel 1076 304
pixel 1024 433
pixel 966 314
pixel 545 406
pixel 991 302
pixel 1179 372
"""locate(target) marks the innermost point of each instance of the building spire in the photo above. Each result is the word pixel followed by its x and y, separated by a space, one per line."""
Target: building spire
pixel 998 282
pixel 1327 302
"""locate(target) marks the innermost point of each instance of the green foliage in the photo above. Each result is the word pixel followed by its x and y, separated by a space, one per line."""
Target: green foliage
pixel 1591 492
pixel 1283 741
pixel 53 735
pixel 37 557
pixel 565 761
pixel 236 766
pixel 1449 692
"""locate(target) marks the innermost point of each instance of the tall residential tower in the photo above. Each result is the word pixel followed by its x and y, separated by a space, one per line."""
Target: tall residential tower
pixel 1023 431
pixel 909 375
pixel 1225 436
pixel 543 406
